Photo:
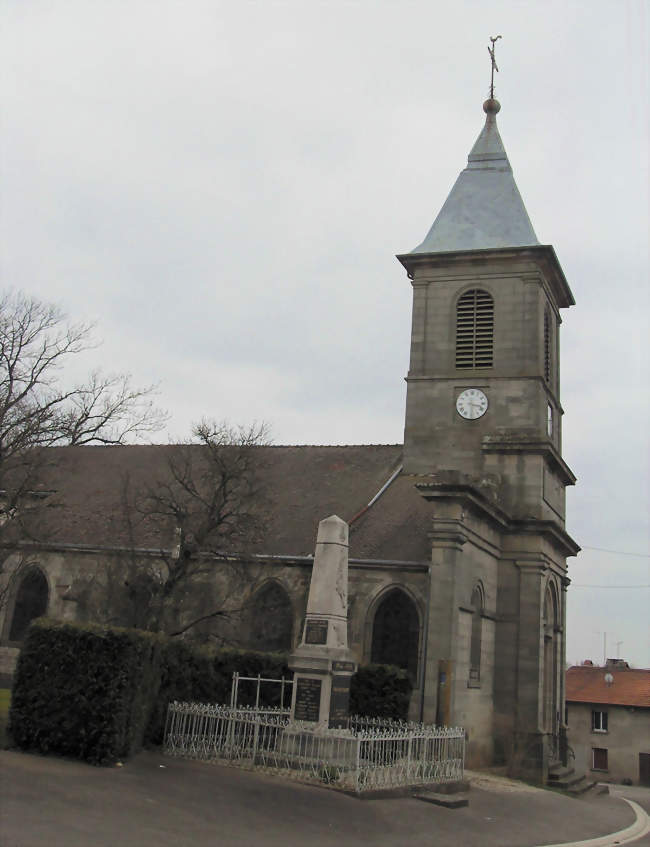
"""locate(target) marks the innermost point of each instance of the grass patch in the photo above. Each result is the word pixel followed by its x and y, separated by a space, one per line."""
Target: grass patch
pixel 5 702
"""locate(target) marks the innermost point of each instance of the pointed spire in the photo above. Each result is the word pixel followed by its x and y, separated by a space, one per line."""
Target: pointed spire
pixel 484 209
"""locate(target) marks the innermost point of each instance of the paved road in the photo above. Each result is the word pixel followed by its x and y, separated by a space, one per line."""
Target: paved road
pixel 638 795
pixel 154 800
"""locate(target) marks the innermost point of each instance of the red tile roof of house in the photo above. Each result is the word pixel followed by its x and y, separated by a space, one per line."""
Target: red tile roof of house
pixel 629 687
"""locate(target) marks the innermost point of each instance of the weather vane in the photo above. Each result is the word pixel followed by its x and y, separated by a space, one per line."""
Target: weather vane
pixel 494 64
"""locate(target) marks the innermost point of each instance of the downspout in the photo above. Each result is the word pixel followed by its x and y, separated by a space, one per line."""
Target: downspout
pixel 377 496
pixel 423 673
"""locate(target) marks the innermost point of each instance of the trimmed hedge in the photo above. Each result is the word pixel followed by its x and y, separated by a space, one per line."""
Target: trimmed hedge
pixel 381 691
pixel 99 693
pixel 84 691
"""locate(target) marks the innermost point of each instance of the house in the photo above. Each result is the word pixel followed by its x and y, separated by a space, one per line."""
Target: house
pixel 459 550
pixel 608 720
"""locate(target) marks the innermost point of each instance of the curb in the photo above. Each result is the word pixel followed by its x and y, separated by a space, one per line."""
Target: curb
pixel 640 827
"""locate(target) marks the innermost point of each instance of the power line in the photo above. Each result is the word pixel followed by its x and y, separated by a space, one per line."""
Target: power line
pixel 617 552
pixel 583 585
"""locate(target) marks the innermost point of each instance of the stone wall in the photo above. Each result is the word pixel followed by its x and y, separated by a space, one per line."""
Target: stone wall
pixel 8 659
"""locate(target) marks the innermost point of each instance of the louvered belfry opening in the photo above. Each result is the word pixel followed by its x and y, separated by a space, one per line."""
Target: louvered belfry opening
pixel 547 346
pixel 474 329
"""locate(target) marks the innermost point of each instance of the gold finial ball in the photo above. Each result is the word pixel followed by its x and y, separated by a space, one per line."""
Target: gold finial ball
pixel 491 106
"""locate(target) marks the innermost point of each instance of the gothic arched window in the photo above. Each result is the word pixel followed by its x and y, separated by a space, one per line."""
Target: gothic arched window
pixel 31 603
pixel 270 619
pixel 396 632
pixel 474 329
pixel 476 637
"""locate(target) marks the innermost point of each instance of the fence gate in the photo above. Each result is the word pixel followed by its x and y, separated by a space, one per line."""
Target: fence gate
pixel 286 687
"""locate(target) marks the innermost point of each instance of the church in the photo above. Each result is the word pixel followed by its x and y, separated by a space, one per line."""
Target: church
pixel 458 546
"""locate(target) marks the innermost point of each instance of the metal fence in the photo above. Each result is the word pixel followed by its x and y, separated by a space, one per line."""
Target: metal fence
pixel 371 755
pixel 282 688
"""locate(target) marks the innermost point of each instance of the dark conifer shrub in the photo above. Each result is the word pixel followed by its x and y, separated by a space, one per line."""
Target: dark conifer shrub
pixel 84 691
pixel 380 691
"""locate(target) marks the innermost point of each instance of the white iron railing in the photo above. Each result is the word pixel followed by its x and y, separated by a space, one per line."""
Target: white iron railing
pixel 284 685
pixel 373 754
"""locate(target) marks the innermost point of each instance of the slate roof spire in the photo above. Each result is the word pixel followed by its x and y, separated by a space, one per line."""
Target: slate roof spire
pixel 484 209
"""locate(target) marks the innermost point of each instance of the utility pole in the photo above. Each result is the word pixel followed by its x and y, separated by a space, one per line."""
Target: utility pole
pixel 604 634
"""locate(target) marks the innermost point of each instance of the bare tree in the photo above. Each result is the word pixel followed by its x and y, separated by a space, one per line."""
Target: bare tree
pixel 38 409
pixel 209 503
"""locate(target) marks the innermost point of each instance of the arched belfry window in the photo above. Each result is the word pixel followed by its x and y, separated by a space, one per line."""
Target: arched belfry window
pixel 270 619
pixel 475 329
pixel 476 637
pixel 396 632
pixel 31 603
pixel 547 346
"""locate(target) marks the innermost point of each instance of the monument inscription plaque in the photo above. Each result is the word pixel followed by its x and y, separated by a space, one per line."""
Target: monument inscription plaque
pixel 307 699
pixel 316 631
pixel 340 702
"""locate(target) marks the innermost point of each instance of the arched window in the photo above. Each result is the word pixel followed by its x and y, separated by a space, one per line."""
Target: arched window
pixel 477 635
pixel 547 346
pixel 550 608
pixel 474 329
pixel 270 619
pixel 31 603
pixel 551 661
pixel 396 632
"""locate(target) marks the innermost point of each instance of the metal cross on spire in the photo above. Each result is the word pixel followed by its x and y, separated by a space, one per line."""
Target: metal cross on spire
pixel 494 64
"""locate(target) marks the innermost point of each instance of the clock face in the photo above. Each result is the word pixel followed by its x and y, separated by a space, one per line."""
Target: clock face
pixel 471 404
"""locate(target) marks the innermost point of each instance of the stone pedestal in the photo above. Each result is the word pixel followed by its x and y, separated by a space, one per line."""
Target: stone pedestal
pixel 323 664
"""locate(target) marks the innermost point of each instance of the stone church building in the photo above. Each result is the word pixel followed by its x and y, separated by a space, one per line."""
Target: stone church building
pixel 458 546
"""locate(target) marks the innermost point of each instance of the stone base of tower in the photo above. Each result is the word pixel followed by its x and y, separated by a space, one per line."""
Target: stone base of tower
pixel 529 758
pixel 496 639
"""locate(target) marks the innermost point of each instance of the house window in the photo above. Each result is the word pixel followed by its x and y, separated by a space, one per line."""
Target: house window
pixel 474 329
pixel 599 759
pixel 598 721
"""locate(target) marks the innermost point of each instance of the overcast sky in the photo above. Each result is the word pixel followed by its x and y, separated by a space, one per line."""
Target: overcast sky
pixel 222 187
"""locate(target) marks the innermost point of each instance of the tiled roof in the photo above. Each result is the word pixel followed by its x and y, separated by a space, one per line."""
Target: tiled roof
pixel 630 686
pixel 304 484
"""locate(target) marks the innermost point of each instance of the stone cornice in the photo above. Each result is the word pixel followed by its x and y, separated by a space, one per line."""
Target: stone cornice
pixel 534 567
pixel 465 493
pixel 542 254
pixel 517 443
pixel 259 558
pixel 560 537
pixel 469 496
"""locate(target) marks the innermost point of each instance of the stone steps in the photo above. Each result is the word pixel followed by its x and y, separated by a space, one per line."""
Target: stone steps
pixel 447 801
pixel 449 795
pixel 566 779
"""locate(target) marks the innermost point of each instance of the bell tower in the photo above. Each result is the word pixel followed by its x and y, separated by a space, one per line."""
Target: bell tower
pixel 483 383
pixel 482 443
